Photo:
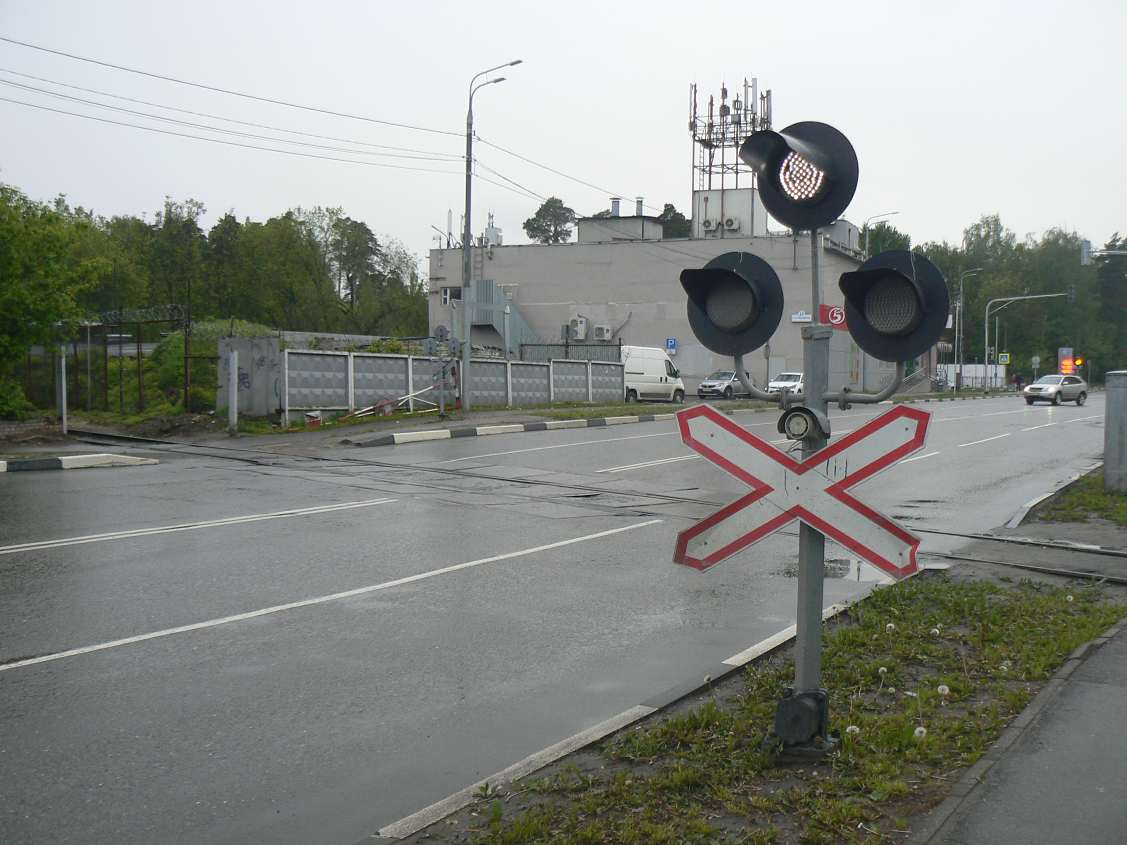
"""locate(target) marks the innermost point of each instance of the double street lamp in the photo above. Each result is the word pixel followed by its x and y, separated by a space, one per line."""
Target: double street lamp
pixel 960 329
pixel 467 242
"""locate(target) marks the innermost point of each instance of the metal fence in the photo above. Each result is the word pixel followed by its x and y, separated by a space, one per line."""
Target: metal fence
pixel 346 381
pixel 545 352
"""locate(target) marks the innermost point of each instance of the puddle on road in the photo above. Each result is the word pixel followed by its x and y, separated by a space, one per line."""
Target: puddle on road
pixel 846 569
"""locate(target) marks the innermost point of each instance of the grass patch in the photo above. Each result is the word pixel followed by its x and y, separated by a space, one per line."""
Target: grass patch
pixel 960 660
pixel 1087 498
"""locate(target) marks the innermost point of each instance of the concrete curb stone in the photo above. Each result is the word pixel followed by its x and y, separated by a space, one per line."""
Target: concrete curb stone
pixel 103 459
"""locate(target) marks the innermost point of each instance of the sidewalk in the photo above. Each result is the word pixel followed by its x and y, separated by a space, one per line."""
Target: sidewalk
pixel 1064 777
pixel 1059 772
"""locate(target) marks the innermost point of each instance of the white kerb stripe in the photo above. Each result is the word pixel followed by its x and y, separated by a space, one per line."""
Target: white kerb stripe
pixel 294 605
pixel 189 526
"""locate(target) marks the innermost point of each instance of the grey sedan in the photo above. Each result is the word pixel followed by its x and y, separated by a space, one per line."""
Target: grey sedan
pixel 1057 389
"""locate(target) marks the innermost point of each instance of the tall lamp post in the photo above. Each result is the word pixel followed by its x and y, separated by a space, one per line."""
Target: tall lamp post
pixel 960 329
pixel 865 227
pixel 467 243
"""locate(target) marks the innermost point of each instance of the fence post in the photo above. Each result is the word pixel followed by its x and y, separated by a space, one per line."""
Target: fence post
pixel 61 387
pixel 233 391
pixel 508 384
pixel 285 388
pixel 351 383
pixel 551 381
pixel 410 383
pixel 590 383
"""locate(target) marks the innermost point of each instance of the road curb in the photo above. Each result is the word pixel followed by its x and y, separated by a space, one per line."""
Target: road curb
pixel 102 459
pixel 940 822
pixel 427 816
pixel 1023 512
pixel 405 437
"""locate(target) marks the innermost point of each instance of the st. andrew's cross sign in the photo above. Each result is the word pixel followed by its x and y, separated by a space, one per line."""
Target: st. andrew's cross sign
pixel 814 489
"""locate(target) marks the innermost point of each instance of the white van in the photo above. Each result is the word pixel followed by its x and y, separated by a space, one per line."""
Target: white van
pixel 650 374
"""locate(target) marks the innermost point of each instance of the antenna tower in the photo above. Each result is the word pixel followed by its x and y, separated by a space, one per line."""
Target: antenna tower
pixel 719 131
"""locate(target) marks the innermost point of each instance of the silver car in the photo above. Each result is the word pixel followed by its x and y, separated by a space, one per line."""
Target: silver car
pixel 1057 389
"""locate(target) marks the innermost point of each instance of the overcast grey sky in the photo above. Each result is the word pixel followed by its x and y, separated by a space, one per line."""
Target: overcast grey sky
pixel 956 109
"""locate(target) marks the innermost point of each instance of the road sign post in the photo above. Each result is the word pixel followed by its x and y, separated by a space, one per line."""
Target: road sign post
pixel 896 305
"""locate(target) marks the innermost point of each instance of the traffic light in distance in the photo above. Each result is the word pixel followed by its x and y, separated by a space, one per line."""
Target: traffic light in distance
pixel 895 305
pixel 807 172
pixel 1078 362
pixel 735 302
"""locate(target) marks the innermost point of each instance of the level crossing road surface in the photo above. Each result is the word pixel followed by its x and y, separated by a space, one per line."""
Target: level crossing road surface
pixel 258 641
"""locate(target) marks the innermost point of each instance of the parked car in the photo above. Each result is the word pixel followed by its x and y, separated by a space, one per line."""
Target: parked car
pixel 1057 389
pixel 786 381
pixel 722 384
pixel 650 374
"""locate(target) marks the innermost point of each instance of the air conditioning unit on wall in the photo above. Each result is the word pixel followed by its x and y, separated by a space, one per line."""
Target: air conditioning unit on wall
pixel 602 332
pixel 732 224
pixel 708 224
pixel 577 328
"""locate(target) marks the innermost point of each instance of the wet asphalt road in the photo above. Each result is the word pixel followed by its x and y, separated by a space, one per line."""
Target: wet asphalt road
pixel 326 721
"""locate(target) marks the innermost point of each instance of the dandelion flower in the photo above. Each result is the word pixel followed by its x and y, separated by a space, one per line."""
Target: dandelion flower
pixel 921 732
pixel 883 670
pixel 890 627
pixel 935 632
pixel 853 729
pixel 1068 598
pixel 944 690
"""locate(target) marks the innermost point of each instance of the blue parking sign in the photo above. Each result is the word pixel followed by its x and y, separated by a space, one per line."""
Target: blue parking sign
pixel 671 344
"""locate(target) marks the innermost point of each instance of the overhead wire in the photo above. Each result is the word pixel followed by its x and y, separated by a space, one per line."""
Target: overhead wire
pixel 110 94
pixel 151 116
pixel 229 91
pixel 501 175
pixel 227 143
pixel 279 102
pixel 550 169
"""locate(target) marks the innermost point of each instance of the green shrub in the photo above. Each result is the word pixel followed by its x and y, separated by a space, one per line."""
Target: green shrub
pixel 13 404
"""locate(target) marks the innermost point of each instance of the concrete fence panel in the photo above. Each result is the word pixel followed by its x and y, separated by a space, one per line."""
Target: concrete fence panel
pixel 377 377
pixel 489 383
pixel 569 381
pixel 607 382
pixel 530 383
pixel 317 380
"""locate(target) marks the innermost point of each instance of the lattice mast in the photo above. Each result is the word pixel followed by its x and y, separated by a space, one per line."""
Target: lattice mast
pixel 719 131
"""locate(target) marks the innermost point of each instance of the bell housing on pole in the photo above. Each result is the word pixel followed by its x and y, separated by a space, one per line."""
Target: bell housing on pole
pixel 896 305
pixel 807 172
pixel 735 302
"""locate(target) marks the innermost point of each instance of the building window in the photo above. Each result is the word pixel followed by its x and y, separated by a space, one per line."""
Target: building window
pixel 449 294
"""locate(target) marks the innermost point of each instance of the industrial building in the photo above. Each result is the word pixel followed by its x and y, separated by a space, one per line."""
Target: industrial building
pixel 618 282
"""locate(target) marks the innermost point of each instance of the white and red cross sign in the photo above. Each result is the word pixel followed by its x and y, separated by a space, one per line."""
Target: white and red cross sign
pixel 814 490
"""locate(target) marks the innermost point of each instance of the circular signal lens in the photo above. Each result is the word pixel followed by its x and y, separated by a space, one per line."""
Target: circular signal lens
pixel 797 426
pixel 731 305
pixel 892 307
pixel 800 179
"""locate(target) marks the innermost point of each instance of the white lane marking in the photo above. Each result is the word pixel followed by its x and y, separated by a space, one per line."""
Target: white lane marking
pixel 1035 427
pixel 1081 419
pixel 645 464
pixel 919 457
pixel 463 797
pixel 556 446
pixel 659 461
pixel 984 440
pixel 975 416
pixel 293 605
pixel 190 526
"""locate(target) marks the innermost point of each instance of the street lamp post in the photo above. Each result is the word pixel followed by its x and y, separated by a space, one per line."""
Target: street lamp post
pixel 467 243
pixel 960 329
pixel 1005 300
pixel 865 227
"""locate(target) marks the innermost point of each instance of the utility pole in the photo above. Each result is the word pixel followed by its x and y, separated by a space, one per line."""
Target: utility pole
pixel 467 236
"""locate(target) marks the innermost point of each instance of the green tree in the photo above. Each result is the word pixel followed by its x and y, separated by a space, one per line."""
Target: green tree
pixel 883 236
pixel 41 275
pixel 552 222
pixel 676 224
